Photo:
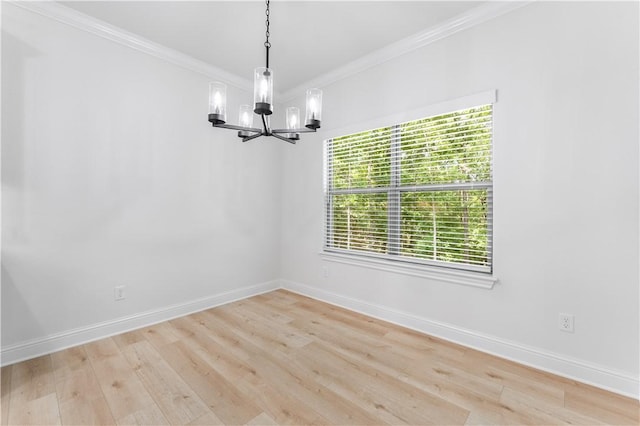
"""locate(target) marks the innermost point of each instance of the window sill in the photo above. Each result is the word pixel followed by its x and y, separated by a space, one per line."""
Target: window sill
pixel 472 279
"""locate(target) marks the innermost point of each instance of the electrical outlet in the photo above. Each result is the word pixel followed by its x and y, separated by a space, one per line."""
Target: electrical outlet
pixel 566 322
pixel 118 293
pixel 325 271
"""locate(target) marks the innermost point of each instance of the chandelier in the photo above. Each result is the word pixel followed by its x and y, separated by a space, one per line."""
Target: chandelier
pixel 263 106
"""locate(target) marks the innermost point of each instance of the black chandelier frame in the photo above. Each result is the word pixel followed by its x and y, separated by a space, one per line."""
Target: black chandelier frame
pixel 264 110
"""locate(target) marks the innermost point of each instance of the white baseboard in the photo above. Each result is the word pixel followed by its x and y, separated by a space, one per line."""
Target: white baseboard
pixel 53 343
pixel 603 377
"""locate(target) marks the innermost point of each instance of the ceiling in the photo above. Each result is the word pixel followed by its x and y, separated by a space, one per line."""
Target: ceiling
pixel 309 38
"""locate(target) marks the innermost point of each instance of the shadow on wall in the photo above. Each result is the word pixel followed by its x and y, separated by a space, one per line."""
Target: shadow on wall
pixel 15 54
pixel 17 318
pixel 15 315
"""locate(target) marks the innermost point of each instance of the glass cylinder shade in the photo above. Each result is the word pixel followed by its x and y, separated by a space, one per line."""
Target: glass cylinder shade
pixel 263 90
pixel 245 116
pixel 314 108
pixel 293 122
pixel 217 102
pixel 293 118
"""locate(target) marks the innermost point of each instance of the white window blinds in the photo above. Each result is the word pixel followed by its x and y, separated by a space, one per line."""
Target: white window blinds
pixel 417 192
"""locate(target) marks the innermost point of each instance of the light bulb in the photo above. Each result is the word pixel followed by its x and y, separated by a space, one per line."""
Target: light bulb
pixel 217 101
pixel 313 107
pixel 245 116
pixel 292 117
pixel 313 116
pixel 264 87
pixel 262 91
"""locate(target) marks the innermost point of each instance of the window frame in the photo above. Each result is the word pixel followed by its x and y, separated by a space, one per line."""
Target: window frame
pixel 393 261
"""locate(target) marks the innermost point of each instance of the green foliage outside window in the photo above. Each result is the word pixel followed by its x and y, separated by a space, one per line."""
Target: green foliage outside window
pixel 418 190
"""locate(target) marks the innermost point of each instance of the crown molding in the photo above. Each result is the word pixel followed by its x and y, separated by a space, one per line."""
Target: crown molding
pixel 466 20
pixel 81 21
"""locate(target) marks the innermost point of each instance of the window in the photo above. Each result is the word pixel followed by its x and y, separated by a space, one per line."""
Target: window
pixel 418 192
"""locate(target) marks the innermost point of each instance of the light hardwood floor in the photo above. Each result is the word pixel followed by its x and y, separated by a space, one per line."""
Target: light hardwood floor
pixel 282 358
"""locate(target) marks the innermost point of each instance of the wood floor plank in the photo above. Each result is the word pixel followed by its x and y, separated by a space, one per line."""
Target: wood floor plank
pixel 102 349
pixel 602 405
pixel 282 358
pixel 150 415
pixel 262 420
pixel 5 389
pixel 33 393
pixel 31 380
pixel 477 360
pixel 455 387
pixel 360 322
pixel 416 344
pixel 392 400
pixel 252 331
pixel 543 391
pixel 278 299
pixel 281 338
pixel 546 386
pixel 547 412
pixel 39 411
pixel 471 400
pixel 66 362
pixel 220 357
pixel 82 410
pixel 502 415
pixel 160 334
pixel 125 339
pixel 269 314
pixel 124 392
pixel 385 358
pixel 82 383
pixel 280 374
pixel 176 400
pixel 207 419
pixel 280 330
pixel 276 401
pixel 286 377
pixel 222 334
pixel 283 408
pixel 221 396
pixel 363 348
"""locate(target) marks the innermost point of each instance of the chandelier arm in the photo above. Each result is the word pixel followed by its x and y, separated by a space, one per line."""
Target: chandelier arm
pixel 303 130
pixel 248 138
pixel 282 138
pixel 233 127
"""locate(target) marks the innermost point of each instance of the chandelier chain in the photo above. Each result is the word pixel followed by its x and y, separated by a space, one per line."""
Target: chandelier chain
pixel 267 43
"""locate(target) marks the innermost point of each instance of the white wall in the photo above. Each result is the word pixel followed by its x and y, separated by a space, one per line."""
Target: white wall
pixel 111 175
pixel 565 180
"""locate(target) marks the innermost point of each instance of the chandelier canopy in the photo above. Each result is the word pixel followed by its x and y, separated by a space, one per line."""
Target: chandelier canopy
pixel 263 106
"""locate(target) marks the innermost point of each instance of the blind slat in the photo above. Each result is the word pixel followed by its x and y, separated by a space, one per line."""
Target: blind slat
pixel 420 190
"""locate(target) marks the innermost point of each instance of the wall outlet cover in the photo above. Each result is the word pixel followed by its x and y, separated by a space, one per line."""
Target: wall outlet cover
pixel 566 322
